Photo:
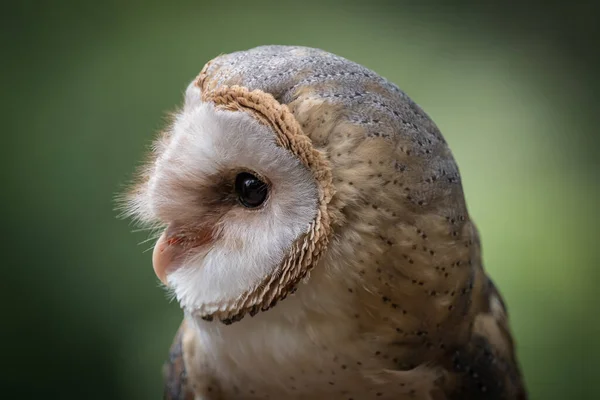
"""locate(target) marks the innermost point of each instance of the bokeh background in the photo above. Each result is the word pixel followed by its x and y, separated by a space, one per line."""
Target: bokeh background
pixel 85 85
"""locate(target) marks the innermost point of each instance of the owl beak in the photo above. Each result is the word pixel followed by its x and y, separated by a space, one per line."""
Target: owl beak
pixel 170 248
pixel 163 257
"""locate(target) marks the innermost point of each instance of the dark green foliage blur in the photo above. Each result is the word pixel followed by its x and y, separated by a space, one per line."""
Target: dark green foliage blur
pixel 86 85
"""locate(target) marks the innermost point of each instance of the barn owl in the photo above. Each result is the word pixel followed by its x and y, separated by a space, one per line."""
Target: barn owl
pixel 317 240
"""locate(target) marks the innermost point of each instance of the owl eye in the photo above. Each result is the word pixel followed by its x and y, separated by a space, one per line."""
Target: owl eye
pixel 251 191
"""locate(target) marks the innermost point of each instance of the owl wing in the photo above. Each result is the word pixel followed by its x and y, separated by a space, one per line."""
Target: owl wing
pixel 174 372
pixel 485 366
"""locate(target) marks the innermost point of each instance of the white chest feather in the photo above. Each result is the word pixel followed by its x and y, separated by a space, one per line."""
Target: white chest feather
pixel 300 350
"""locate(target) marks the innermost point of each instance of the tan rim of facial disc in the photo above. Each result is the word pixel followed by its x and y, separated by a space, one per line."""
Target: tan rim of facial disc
pixel 306 250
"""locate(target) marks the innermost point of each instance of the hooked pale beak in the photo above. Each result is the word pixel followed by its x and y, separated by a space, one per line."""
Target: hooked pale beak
pixel 172 247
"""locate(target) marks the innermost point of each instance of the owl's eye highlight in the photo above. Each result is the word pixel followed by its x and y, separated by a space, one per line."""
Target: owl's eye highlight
pixel 251 191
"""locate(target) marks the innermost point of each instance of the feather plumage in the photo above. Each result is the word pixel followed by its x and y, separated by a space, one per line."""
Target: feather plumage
pixel 383 295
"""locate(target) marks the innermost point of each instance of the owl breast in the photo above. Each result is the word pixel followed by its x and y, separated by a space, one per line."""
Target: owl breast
pixel 297 351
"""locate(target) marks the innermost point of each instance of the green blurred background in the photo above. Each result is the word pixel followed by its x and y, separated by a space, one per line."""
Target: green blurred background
pixel 87 84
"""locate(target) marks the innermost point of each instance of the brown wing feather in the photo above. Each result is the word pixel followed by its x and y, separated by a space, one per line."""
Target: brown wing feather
pixel 176 383
pixel 485 367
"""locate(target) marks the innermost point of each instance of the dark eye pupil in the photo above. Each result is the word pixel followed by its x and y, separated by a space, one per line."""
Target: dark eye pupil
pixel 251 191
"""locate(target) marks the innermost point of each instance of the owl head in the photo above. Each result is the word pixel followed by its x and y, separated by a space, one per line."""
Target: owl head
pixel 278 157
pixel 244 198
